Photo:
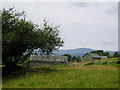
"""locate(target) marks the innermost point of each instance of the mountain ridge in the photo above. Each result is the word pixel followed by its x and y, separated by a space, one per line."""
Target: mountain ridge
pixel 77 51
pixel 74 52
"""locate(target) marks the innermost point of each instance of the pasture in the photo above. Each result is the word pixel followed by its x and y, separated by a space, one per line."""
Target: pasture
pixel 76 75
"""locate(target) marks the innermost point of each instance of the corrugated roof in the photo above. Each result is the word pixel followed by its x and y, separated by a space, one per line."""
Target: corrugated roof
pixel 47 58
pixel 94 55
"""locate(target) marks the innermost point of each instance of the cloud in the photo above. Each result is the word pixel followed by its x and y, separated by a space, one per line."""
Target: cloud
pixel 83 24
pixel 80 4
pixel 113 9
pixel 107 45
pixel 110 43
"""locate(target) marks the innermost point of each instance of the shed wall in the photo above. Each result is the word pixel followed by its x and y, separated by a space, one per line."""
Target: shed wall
pixel 37 60
pixel 42 63
pixel 87 58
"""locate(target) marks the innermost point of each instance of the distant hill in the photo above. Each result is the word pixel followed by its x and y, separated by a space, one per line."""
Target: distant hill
pixel 74 52
pixel 78 51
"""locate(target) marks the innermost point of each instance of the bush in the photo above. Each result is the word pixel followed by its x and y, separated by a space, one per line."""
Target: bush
pixel 117 61
pixel 104 62
pixel 89 63
pixel 26 62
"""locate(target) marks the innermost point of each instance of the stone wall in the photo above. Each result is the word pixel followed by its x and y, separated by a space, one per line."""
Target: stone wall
pixel 87 58
pixel 38 60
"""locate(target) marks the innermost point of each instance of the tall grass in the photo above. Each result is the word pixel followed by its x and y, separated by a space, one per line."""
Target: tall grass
pixel 62 76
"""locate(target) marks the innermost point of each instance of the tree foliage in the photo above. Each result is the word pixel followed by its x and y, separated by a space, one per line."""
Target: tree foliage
pixel 16 36
pixel 68 56
pixel 100 52
pixel 106 54
pixel 76 58
pixel 20 36
pixel 50 38
pixel 116 54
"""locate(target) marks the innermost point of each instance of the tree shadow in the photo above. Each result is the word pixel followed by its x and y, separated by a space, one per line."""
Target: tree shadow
pixel 13 73
pixel 24 71
pixel 48 69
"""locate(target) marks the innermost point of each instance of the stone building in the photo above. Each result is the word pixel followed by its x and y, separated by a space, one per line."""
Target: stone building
pixel 104 57
pixel 38 60
pixel 91 57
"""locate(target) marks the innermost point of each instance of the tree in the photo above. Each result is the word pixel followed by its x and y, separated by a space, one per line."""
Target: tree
pixel 20 36
pixel 116 54
pixel 50 38
pixel 73 58
pixel 106 54
pixel 99 52
pixel 77 59
pixel 68 56
pixel 17 36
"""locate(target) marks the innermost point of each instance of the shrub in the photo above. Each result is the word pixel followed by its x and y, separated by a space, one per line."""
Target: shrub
pixel 26 62
pixel 117 61
pixel 104 62
pixel 89 63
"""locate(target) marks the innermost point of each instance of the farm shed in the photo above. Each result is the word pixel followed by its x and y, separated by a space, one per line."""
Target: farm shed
pixel 103 57
pixel 39 60
pixel 91 57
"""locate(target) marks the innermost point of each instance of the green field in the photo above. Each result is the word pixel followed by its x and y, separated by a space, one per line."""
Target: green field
pixel 76 75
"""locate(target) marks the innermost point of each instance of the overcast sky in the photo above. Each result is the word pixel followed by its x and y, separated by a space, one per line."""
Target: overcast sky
pixel 82 24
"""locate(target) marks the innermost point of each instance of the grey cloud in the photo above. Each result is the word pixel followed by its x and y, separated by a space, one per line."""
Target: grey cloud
pixel 110 43
pixel 80 4
pixel 113 10
pixel 83 24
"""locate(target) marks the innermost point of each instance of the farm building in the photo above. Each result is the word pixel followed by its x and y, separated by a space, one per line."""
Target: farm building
pixel 103 57
pixel 38 60
pixel 91 57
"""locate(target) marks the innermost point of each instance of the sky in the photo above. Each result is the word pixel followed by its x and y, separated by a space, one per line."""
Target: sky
pixel 82 24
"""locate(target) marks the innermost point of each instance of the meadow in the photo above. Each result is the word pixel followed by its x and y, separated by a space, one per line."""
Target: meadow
pixel 75 75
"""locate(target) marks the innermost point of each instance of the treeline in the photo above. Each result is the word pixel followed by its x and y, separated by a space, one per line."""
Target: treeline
pixel 73 59
pixel 99 52
pixel 102 53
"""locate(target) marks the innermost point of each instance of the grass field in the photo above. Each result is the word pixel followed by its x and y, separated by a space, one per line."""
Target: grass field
pixel 64 76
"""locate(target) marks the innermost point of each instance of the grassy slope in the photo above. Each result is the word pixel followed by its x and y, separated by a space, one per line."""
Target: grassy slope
pixel 62 76
pixel 109 61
